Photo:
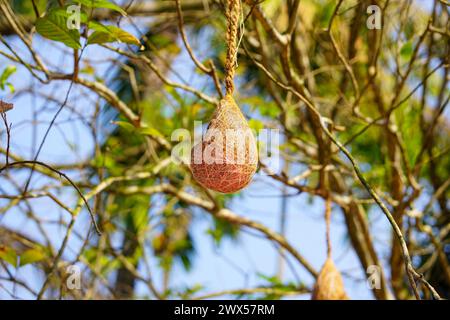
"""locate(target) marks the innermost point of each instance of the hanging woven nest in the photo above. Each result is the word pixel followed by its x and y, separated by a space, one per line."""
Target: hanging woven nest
pixel 226 159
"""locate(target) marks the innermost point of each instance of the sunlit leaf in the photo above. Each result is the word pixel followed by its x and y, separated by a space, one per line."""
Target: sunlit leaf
pixel 8 255
pixel 31 256
pixel 150 132
pixel 105 34
pixel 102 4
pixel 53 26
pixel 9 70
pixel 255 124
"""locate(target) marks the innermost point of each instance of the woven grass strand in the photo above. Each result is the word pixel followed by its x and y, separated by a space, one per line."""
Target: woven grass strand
pixel 232 13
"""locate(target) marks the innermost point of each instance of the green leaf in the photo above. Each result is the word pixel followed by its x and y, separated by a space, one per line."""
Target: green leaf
pixel 63 12
pixel 97 26
pixel 325 13
pixel 88 69
pixel 147 131
pixel 104 34
pixel 54 27
pixel 25 8
pixel 406 50
pixel 271 279
pixel 11 87
pixel 255 124
pixel 31 256
pixel 125 125
pixel 102 4
pixel 9 70
pixel 9 255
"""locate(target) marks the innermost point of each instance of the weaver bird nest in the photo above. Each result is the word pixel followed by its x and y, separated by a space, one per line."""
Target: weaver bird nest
pixel 226 158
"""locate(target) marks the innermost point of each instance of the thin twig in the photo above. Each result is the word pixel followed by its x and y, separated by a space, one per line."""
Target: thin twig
pixel 8 135
pixel 212 69
pixel 34 162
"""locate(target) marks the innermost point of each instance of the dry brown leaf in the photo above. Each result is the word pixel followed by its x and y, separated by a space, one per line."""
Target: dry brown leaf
pixel 5 106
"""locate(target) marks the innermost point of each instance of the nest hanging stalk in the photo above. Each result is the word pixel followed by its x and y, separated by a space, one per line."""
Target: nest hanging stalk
pixel 226 158
pixel 329 284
